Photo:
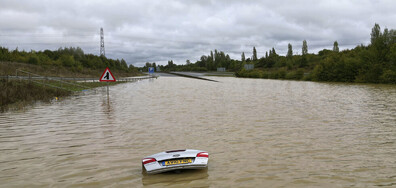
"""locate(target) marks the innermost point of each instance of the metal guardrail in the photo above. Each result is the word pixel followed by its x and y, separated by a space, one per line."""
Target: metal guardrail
pixel 51 78
pixel 47 78
pixel 43 80
pixel 72 79
pixel 134 79
pixel 64 80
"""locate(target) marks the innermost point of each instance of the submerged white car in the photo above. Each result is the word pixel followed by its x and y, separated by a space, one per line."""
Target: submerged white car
pixel 175 160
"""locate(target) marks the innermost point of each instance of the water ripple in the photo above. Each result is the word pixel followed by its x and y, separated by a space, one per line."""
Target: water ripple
pixel 259 133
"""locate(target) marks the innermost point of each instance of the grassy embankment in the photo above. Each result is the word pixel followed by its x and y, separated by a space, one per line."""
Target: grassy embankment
pixel 16 94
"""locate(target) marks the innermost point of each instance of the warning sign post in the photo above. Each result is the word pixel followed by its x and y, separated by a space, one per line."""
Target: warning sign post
pixel 107 76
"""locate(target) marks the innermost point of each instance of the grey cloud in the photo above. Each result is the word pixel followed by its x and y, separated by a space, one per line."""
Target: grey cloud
pixel 157 31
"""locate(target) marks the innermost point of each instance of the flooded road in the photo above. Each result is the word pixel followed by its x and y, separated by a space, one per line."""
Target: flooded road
pixel 265 133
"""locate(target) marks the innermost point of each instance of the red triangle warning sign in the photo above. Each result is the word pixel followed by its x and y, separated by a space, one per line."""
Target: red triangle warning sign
pixel 107 76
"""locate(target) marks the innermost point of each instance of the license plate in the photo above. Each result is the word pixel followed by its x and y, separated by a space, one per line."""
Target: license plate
pixel 175 162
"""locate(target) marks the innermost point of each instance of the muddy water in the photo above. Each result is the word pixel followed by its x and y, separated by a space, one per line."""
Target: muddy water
pixel 258 133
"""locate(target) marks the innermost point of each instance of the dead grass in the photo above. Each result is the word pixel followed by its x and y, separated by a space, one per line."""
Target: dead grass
pixel 17 94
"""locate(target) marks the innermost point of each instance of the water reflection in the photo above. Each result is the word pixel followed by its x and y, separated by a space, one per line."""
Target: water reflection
pixel 182 177
pixel 107 106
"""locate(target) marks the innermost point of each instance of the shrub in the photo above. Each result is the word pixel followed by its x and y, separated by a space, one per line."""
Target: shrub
pixel 33 59
pixel 389 77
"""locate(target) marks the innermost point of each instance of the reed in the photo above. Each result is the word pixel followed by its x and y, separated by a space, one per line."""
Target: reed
pixel 18 94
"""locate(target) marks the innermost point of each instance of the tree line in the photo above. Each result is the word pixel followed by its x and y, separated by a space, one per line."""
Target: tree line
pixel 71 58
pixel 373 63
pixel 206 63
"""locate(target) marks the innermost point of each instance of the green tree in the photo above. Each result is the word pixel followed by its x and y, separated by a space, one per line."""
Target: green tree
pixel 335 47
pixel 124 64
pixel 272 52
pixel 375 33
pixel 304 48
pixel 33 59
pixel 243 57
pixel 4 54
pixel 170 63
pixel 303 61
pixel 67 60
pixel 289 50
pixel 254 54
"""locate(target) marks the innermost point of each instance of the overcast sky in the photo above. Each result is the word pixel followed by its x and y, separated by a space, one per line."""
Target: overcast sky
pixel 142 31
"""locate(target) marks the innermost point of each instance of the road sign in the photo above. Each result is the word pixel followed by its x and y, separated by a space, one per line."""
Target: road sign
pixel 107 76
pixel 151 70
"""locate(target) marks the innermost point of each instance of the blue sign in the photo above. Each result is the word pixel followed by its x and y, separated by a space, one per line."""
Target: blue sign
pixel 151 70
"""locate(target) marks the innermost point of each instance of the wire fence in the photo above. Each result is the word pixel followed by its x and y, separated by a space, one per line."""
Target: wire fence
pixel 54 82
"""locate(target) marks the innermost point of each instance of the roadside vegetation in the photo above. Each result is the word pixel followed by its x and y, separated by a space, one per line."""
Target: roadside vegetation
pixel 374 63
pixel 18 94
pixel 64 62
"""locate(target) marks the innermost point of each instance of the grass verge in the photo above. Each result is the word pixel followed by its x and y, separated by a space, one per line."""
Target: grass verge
pixel 16 94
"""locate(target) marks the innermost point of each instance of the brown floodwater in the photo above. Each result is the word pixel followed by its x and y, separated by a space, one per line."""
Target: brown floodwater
pixel 259 133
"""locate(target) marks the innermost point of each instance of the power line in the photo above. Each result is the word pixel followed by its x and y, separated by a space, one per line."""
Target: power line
pixel 45 35
pixel 44 43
